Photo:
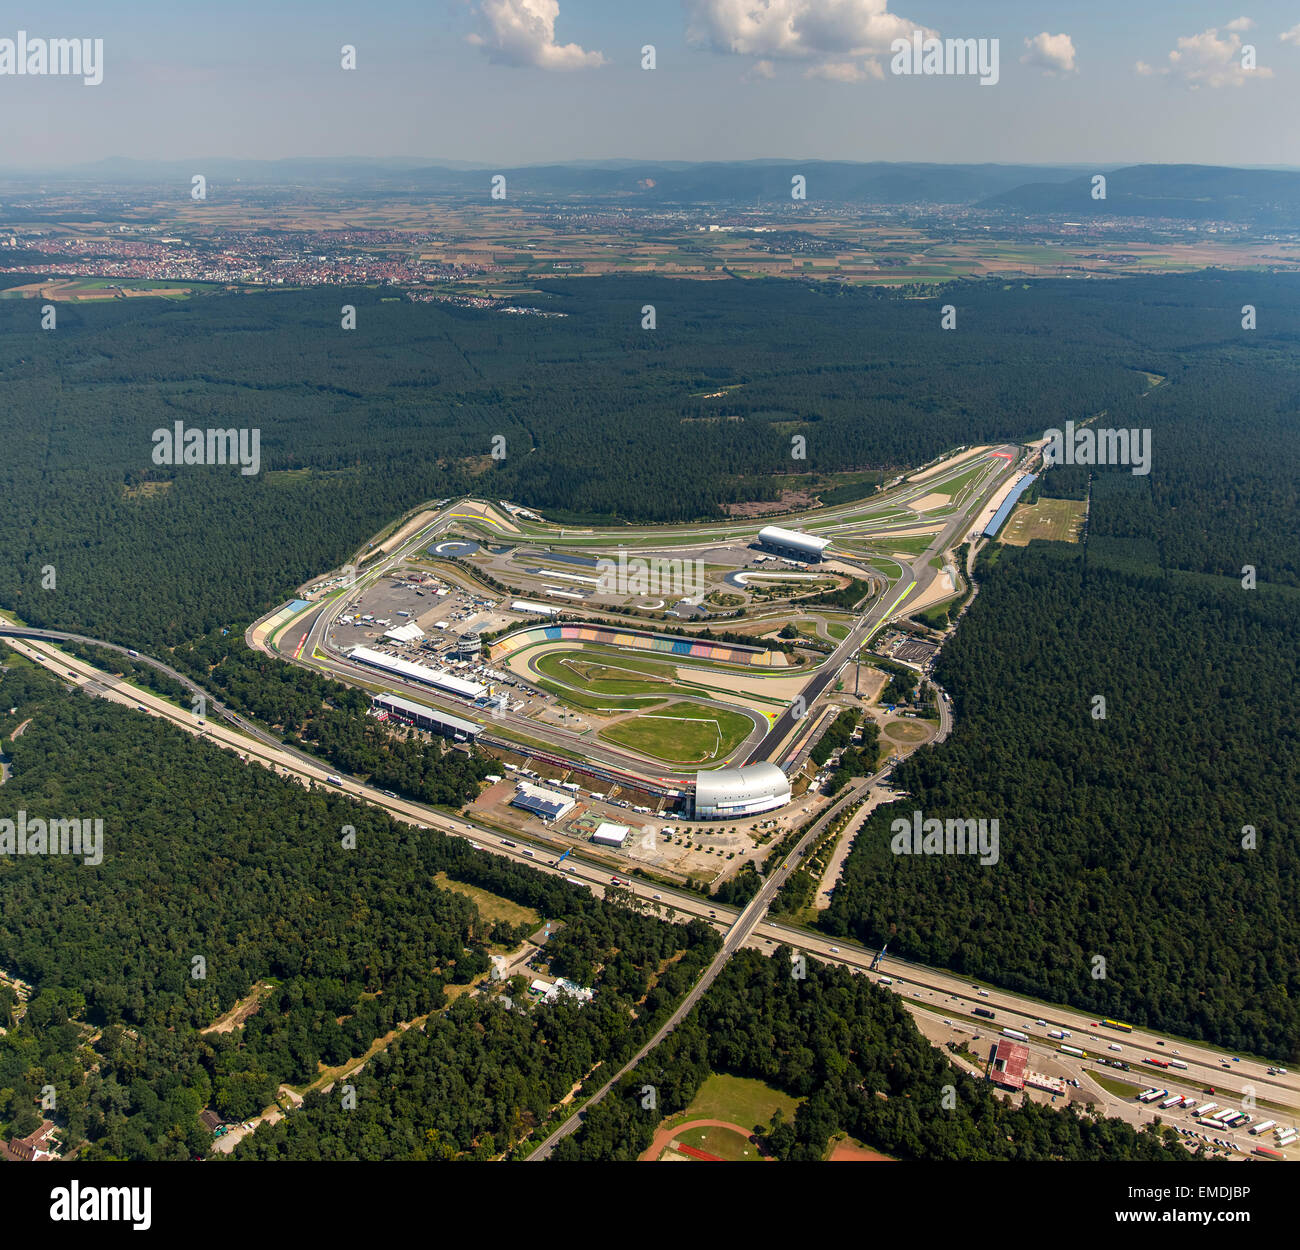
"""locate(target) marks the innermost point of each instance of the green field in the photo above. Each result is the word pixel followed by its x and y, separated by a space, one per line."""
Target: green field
pixel 739 1100
pixel 490 906
pixel 1056 520
pixel 682 733
pixel 723 1143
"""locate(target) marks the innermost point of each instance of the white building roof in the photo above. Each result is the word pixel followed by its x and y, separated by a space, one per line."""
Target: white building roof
pixel 611 834
pixel 727 787
pixel 779 537
pixel 418 672
pixel 405 633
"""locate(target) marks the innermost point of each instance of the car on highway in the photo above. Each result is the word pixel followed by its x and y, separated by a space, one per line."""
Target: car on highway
pixel 947 1021
pixel 835 950
pixel 1159 1042
pixel 657 896
pixel 1042 1022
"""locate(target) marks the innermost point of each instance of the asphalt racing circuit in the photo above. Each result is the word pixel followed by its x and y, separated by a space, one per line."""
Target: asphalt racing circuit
pixel 893 518
pixel 935 998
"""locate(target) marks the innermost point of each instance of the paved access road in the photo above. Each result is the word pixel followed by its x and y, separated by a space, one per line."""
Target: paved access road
pixel 736 937
pixel 925 989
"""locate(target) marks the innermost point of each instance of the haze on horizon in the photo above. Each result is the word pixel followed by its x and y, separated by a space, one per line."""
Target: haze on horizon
pixel 514 82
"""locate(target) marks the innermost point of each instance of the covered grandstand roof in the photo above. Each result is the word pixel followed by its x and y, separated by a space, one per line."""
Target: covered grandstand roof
pixel 793 540
pixel 418 672
pixel 758 787
pixel 1008 503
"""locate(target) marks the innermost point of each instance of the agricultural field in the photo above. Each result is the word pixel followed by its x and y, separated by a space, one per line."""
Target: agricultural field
pixel 1056 520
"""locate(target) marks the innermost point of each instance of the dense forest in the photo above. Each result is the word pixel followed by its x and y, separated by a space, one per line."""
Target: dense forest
pixel 852 1053
pixel 314 713
pixel 211 858
pixel 1162 835
pixel 357 426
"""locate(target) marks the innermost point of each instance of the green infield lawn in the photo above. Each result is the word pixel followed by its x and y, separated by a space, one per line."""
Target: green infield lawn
pixel 682 733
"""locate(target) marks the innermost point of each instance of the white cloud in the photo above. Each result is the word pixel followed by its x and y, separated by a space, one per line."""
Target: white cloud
pixel 522 33
pixel 1209 60
pixel 1240 23
pixel 1052 53
pixel 1291 36
pixel 844 71
pixel 840 37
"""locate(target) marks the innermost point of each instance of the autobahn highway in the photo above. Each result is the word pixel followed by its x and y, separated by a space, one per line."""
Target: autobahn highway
pixel 952 993
pixel 737 935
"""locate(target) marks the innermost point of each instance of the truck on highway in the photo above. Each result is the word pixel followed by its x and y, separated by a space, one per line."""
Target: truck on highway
pixel 333 780
pixel 1057 1033
pixel 1016 1034
pixel 1072 1050
pixel 985 1012
pixel 135 655
pixel 1177 1063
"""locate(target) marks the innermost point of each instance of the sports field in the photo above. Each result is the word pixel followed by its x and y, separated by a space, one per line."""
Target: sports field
pixel 682 733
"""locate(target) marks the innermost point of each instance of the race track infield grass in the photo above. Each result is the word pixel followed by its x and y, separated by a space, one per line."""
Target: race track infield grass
pixel 739 1100
pixel 606 677
pixel 682 733
pixel 603 702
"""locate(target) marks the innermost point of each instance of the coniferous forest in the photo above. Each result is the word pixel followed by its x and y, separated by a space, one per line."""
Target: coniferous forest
pixel 1121 836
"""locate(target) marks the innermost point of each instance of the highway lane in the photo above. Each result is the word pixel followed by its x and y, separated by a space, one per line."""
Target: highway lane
pixel 949 992
pixel 737 935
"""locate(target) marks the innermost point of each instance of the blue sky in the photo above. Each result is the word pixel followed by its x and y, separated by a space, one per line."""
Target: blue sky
pixel 506 82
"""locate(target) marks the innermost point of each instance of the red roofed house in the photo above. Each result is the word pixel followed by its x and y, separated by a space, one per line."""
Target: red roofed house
pixel 1007 1063
pixel 34 1148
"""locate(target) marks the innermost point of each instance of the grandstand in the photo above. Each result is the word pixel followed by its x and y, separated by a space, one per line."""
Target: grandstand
pixel 719 653
pixel 418 672
pixel 1000 516
pixel 727 793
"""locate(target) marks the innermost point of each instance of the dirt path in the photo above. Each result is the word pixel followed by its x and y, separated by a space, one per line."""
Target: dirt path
pixel 831 877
